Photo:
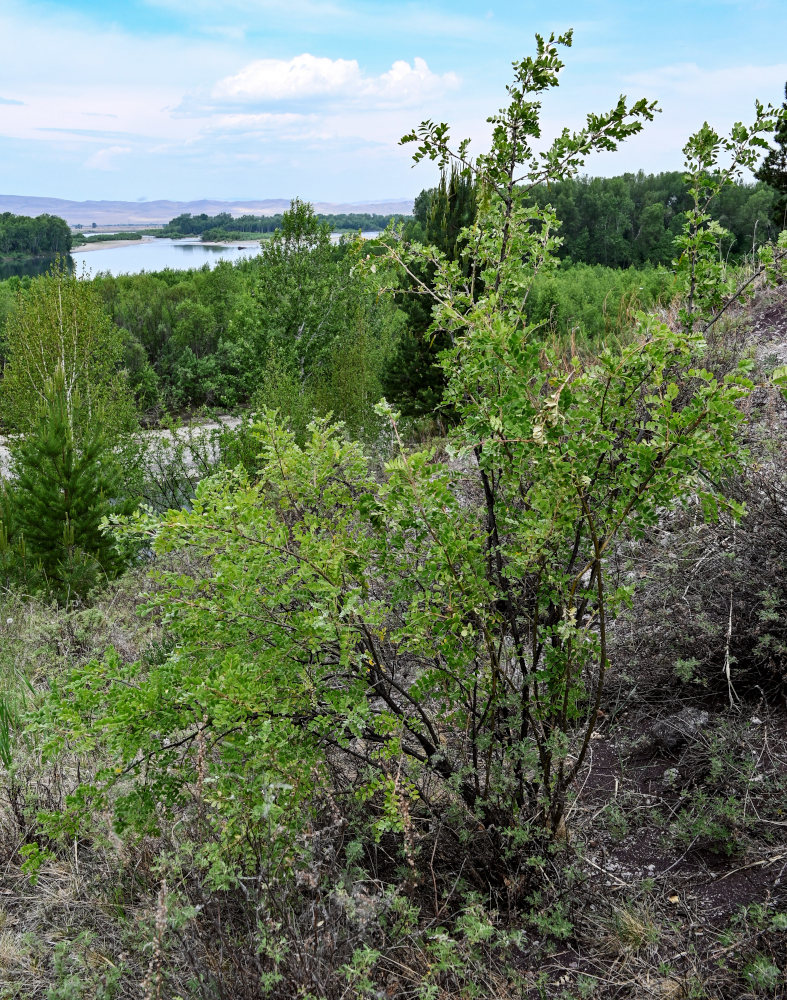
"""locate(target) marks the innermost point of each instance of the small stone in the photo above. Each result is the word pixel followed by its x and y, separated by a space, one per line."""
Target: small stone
pixel 673 732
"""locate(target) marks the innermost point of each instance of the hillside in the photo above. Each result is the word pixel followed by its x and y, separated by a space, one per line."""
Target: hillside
pixel 105 213
pixel 669 882
pixel 486 699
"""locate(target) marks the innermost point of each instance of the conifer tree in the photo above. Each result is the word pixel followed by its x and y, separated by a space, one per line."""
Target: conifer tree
pixel 62 491
pixel 414 379
pixel 773 170
pixel 13 562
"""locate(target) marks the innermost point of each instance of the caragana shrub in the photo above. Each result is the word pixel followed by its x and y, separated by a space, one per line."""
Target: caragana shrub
pixel 431 641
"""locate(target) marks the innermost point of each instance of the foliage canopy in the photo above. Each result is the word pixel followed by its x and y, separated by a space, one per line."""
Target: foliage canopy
pixel 57 325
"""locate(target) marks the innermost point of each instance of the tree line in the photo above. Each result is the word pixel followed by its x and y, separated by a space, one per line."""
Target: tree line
pixel 197 225
pixel 633 219
pixel 630 220
pixel 23 236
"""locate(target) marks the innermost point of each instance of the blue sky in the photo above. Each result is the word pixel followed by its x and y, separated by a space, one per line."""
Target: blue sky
pixel 244 99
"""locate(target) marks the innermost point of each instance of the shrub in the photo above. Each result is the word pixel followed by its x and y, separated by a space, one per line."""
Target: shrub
pixel 590 305
pixel 442 633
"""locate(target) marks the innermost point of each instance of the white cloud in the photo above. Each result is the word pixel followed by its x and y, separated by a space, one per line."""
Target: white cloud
pixel 104 159
pixel 268 81
pixel 277 79
pixel 405 84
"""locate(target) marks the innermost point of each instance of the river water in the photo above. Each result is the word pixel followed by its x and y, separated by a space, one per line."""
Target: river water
pixel 153 254
pixel 157 254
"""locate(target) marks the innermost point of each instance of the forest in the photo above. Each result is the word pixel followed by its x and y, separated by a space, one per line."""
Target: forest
pixel 21 236
pixel 634 219
pixel 224 226
pixel 407 617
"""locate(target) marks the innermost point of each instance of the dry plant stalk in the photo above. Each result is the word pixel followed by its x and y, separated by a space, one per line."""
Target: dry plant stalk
pixel 152 984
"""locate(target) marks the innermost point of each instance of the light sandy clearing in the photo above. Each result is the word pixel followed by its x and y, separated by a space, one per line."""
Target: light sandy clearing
pixel 165 437
pixel 109 245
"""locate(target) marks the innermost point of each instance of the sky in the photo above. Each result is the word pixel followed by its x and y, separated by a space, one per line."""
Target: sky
pixel 252 99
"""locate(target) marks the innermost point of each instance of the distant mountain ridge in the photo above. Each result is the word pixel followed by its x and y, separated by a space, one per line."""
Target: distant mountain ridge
pixel 105 213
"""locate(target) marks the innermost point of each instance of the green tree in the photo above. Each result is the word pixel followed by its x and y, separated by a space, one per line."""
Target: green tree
pixel 22 236
pixel 299 297
pixel 57 325
pixel 58 333
pixel 413 378
pixel 315 319
pixel 63 489
pixel 773 171
pixel 633 219
pixel 709 286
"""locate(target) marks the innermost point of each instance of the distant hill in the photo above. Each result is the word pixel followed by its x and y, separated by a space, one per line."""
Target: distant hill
pixel 139 213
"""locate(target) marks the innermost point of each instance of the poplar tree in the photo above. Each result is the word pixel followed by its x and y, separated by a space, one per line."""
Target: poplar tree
pixel 58 325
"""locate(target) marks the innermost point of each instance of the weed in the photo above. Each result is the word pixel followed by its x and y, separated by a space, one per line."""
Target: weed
pixel 712 824
pixel 635 929
pixel 763 975
pixel 615 820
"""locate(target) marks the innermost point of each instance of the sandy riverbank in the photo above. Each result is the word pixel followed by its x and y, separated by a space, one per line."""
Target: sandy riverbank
pixel 165 436
pixel 112 244
pixel 107 245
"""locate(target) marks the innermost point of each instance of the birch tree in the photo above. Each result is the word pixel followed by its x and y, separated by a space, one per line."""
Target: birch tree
pixel 58 327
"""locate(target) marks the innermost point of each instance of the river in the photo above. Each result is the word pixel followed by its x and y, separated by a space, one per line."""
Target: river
pixel 152 254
